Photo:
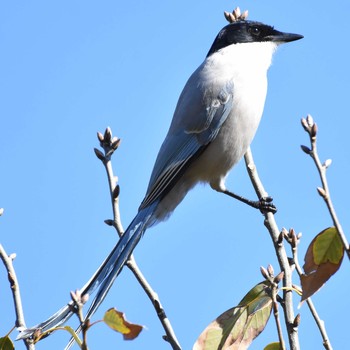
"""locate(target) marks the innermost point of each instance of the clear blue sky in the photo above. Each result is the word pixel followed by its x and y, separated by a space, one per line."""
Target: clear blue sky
pixel 69 69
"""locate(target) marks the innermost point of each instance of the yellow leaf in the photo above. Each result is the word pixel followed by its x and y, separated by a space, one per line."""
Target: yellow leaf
pixel 322 260
pixel 273 346
pixel 328 247
pixel 6 343
pixel 237 327
pixel 116 320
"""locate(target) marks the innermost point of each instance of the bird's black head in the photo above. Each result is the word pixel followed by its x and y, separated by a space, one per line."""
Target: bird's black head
pixel 249 32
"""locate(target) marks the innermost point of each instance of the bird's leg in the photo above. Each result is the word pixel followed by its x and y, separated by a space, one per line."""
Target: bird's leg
pixel 264 204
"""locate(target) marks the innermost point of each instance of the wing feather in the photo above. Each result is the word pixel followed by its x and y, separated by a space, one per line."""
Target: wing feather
pixel 186 138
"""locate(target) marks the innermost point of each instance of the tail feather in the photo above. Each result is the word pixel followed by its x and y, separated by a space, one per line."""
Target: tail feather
pixel 105 275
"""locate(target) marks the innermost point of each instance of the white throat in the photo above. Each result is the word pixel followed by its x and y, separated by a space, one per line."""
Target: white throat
pixel 248 58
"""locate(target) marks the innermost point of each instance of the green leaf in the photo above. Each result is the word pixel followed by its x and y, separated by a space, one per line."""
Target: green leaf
pixel 328 247
pixel 6 343
pixel 237 327
pixel 322 260
pixel 116 320
pixel 273 346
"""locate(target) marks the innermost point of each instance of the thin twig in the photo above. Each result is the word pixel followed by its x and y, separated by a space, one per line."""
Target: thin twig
pixel 311 128
pixel 283 261
pixel 153 296
pixel 78 303
pixel 274 281
pixel 294 240
pixel 277 319
pixel 109 145
pixel 16 295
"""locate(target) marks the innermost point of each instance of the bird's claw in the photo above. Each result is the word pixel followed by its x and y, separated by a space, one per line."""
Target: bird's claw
pixel 266 205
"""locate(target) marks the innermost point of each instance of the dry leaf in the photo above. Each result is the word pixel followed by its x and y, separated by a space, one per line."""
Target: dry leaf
pixel 116 320
pixel 236 328
pixel 323 258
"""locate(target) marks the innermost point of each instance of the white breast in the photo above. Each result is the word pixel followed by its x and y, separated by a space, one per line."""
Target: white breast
pixel 246 65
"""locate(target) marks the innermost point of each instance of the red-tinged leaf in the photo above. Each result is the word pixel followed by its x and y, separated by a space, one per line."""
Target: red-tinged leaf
pixel 6 343
pixel 236 328
pixel 322 260
pixel 273 346
pixel 116 320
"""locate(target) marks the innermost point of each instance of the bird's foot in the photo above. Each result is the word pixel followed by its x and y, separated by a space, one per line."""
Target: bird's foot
pixel 265 205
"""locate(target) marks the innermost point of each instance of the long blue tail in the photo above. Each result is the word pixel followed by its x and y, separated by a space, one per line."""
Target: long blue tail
pixel 105 275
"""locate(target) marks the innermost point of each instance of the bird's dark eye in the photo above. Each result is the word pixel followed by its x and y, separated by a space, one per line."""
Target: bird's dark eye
pixel 254 31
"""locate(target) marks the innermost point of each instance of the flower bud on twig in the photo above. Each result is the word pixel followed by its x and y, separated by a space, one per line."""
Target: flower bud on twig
pixel 99 154
pixel 264 272
pixel 279 277
pixel 310 120
pixel 296 322
pixel 107 135
pixel 109 222
pixel 100 137
pixel 306 149
pixel 327 163
pixel 321 192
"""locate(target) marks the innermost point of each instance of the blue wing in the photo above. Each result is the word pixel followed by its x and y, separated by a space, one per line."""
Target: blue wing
pixel 198 117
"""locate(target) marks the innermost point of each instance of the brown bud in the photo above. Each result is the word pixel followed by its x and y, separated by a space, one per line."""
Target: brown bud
pixel 115 143
pixel 296 321
pixel 11 279
pixel 327 163
pixel 85 298
pixel 116 192
pixel 291 261
pixel 237 12
pixel 107 135
pixel 321 192
pixel 293 237
pixel 280 238
pixel 306 149
pixel 12 256
pixel 284 232
pixel 74 296
pixel 305 125
pixel 310 120
pixel 279 277
pixel 99 154
pixel 37 334
pixel 244 15
pixel 270 270
pixel 264 272
pixel 100 136
pixel 232 18
pixel 313 130
pixel 109 222
pixel 227 16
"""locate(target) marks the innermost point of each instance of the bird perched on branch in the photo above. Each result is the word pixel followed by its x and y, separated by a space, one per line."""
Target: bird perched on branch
pixel 214 122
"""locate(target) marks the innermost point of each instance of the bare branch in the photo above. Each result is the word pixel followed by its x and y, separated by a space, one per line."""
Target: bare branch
pixel 283 261
pixel 109 145
pixel 294 240
pixel 274 280
pixel 311 128
pixel 16 295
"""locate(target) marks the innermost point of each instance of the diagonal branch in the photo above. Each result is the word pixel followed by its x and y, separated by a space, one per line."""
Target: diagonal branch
pixel 16 295
pixel 294 240
pixel 282 257
pixel 311 128
pixel 109 145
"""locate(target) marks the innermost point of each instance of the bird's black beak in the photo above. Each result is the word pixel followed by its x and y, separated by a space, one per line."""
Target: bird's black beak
pixel 280 37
